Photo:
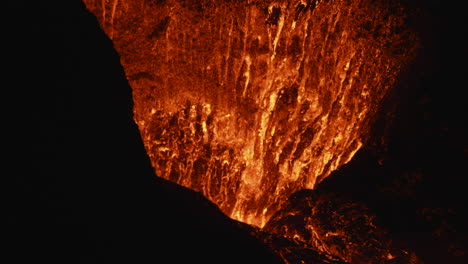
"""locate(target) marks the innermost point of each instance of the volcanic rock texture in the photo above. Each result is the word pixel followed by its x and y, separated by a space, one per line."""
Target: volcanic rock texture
pixel 250 101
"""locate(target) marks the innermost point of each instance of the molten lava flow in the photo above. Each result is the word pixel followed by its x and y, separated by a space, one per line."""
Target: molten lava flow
pixel 250 101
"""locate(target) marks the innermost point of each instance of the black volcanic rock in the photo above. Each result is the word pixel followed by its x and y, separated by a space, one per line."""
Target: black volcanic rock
pixel 406 203
pixel 336 225
pixel 409 173
pixel 83 187
pixel 83 190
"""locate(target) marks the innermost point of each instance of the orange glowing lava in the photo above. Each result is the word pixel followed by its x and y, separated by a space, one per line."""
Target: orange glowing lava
pixel 250 101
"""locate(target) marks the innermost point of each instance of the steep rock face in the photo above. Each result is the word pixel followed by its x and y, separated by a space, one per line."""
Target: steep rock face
pixel 250 101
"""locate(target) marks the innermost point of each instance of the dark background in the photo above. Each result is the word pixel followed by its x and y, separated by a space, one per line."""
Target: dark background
pixel 411 172
pixel 80 188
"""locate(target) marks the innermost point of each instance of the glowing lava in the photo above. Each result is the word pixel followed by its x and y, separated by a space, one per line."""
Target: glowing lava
pixel 250 101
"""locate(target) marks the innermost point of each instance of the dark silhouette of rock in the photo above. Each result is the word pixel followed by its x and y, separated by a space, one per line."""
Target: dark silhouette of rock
pixel 336 225
pixel 83 189
pixel 409 172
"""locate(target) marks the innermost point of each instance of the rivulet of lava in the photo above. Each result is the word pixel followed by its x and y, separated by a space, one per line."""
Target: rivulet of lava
pixel 248 102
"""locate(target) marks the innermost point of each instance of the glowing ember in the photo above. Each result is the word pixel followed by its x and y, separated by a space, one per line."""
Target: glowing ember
pixel 250 101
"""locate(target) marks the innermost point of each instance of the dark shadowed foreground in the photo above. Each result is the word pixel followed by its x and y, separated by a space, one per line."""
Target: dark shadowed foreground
pixel 84 190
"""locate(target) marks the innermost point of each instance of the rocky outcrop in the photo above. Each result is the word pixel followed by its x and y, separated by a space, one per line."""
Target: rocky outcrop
pixel 335 225
pixel 85 191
